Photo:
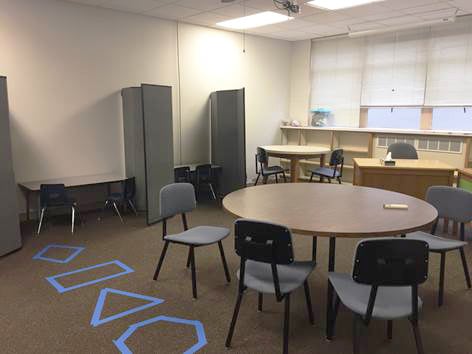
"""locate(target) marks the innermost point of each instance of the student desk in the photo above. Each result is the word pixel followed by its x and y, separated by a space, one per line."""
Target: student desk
pixel 78 181
pixel 411 177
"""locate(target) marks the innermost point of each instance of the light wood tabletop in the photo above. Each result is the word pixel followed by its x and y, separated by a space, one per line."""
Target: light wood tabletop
pixel 295 153
pixel 405 164
pixel 331 210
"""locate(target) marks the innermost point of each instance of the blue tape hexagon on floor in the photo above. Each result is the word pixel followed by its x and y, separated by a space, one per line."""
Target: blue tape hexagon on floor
pixel 62 289
pixel 96 321
pixel 120 342
pixel 40 254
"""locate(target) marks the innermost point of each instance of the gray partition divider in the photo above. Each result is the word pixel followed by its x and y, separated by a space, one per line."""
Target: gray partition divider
pixel 228 138
pixel 158 144
pixel 10 236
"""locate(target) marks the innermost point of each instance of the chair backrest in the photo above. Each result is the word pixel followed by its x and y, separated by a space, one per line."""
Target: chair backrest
pixel 177 198
pixel 391 262
pixel 263 242
pixel 182 174
pixel 204 172
pixel 52 195
pixel 129 188
pixel 261 156
pixel 337 157
pixel 403 151
pixel 452 203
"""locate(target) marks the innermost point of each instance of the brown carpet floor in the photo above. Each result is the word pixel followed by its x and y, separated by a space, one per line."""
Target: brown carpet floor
pixel 35 318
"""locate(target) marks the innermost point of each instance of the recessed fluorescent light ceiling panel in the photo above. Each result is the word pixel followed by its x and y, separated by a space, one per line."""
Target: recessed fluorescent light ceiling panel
pixel 339 4
pixel 256 20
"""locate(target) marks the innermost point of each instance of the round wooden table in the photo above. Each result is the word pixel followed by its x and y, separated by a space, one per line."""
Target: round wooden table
pixel 329 210
pixel 295 153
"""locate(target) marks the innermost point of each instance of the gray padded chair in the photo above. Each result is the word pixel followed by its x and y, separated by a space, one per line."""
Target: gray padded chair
pixel 268 267
pixel 179 198
pixel 403 151
pixel 332 172
pixel 455 204
pixel 384 285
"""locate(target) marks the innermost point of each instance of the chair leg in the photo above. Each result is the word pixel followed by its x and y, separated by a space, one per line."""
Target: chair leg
pixel 131 204
pixel 73 219
pixel 41 218
pixel 389 329
pixel 441 279
pixel 189 257
pixel 117 211
pixel 161 260
pixel 276 179
pixel 337 302
pixel 416 332
pixel 260 300
pixel 223 259
pixel 329 180
pixel 233 320
pixel 339 180
pixel 286 323
pixel 257 179
pixel 308 302
pixel 194 275
pixel 311 178
pixel 466 268
pixel 285 177
pixel 212 191
pixel 356 334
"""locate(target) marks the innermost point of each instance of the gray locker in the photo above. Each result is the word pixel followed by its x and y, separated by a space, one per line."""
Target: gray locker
pixel 10 236
pixel 149 147
pixel 228 138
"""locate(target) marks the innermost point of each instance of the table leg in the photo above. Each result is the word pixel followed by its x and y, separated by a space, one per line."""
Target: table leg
pixel 313 249
pixel 330 298
pixel 294 170
pixel 322 163
pixel 27 198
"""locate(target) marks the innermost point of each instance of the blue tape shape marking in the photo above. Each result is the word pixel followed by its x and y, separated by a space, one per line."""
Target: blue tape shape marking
pixel 96 321
pixel 61 289
pixel 74 254
pixel 202 341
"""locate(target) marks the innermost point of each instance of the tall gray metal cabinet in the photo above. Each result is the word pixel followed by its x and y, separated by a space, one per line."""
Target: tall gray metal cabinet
pixel 149 147
pixel 228 138
pixel 10 236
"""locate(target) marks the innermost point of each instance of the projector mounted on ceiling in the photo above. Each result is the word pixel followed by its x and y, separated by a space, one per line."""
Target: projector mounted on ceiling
pixel 291 6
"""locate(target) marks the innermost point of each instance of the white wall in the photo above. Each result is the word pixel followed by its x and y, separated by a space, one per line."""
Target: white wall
pixel 67 63
pixel 300 81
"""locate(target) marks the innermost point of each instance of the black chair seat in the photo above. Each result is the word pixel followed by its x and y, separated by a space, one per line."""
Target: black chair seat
pixel 326 172
pixel 272 170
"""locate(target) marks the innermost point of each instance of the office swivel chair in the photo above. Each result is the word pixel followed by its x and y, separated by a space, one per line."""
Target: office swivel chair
pixel 123 198
pixel 262 159
pixel 403 151
pixel 54 196
pixel 331 172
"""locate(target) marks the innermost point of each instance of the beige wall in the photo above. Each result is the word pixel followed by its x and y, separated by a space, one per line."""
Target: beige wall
pixel 67 63
pixel 300 81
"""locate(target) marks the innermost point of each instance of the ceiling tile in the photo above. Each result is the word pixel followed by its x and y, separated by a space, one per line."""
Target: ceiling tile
pixel 206 18
pixel 172 12
pixel 401 20
pixel 235 11
pixel 204 5
pixel 87 2
pixel 130 6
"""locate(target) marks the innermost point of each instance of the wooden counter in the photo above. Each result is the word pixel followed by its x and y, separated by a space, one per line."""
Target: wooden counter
pixel 412 177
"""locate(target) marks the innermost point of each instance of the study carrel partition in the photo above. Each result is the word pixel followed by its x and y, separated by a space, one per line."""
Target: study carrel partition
pixel 149 146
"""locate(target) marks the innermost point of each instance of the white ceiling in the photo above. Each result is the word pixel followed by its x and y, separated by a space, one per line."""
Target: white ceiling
pixel 310 23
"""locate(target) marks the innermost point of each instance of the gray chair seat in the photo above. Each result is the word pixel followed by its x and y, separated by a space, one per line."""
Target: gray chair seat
pixel 272 169
pixel 390 303
pixel 326 172
pixel 436 243
pixel 200 235
pixel 258 276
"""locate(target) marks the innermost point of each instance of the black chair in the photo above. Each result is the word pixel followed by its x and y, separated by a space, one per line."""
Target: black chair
pixel 384 285
pixel 454 204
pixel 262 169
pixel 179 198
pixel 123 198
pixel 268 266
pixel 54 196
pixel 331 172
pixel 403 151
pixel 204 176
pixel 182 175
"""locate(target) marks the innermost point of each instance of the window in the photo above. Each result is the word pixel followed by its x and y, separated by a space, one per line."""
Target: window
pixel 394 118
pixel 452 118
